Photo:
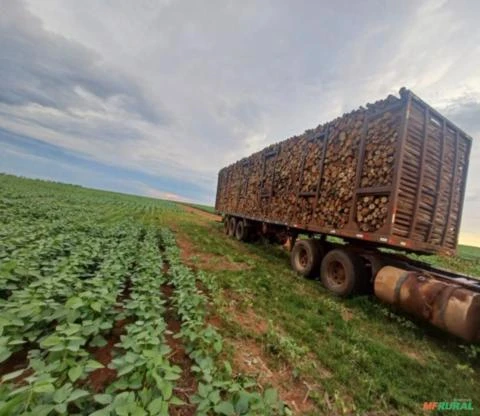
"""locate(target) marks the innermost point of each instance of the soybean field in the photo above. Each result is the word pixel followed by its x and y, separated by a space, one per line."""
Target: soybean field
pixel 96 306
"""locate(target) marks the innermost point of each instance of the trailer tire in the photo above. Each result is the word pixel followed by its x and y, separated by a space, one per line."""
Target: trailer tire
pixel 342 272
pixel 306 257
pixel 226 223
pixel 241 231
pixel 232 223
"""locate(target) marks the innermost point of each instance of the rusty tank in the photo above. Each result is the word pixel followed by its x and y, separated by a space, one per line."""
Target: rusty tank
pixel 451 307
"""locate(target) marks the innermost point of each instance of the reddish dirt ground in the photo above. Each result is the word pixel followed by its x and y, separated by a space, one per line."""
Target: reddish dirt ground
pixel 249 320
pixel 15 362
pixel 186 385
pixel 250 358
pixel 100 378
pixel 347 314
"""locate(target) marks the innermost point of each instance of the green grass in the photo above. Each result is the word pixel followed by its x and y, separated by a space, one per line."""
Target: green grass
pixel 379 360
pixel 466 261
pixel 469 252
pixel 206 208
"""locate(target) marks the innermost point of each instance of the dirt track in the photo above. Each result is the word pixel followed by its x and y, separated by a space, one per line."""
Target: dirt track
pixel 204 214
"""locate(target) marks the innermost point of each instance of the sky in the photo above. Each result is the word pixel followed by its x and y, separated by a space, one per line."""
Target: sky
pixel 153 97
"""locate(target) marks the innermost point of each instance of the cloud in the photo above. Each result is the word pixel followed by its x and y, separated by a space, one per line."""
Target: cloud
pixel 29 157
pixel 156 193
pixel 465 111
pixel 39 67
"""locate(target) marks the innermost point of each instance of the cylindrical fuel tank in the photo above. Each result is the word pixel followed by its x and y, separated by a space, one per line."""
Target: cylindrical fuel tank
pixel 453 308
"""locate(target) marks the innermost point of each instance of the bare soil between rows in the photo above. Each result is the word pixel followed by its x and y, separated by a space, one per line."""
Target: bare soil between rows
pixel 186 385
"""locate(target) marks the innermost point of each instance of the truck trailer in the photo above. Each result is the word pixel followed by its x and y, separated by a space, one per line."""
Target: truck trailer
pixel 390 175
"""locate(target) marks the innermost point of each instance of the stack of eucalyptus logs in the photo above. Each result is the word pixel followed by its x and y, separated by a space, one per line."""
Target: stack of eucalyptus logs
pixel 279 190
pixel 338 179
pixel 282 205
pixel 371 212
pixel 380 146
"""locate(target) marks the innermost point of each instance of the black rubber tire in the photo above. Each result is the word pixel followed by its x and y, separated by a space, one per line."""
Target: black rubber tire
pixel 232 223
pixel 253 232
pixel 241 231
pixel 226 224
pixel 306 257
pixel 342 272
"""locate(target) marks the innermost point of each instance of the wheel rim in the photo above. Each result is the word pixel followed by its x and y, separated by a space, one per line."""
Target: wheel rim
pixel 336 274
pixel 303 258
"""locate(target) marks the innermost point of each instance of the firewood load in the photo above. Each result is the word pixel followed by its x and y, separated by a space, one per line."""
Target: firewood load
pixel 381 139
pixel 343 176
pixel 372 212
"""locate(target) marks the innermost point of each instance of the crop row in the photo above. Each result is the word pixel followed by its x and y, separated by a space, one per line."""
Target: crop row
pixel 146 377
pixel 58 317
pixel 218 391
